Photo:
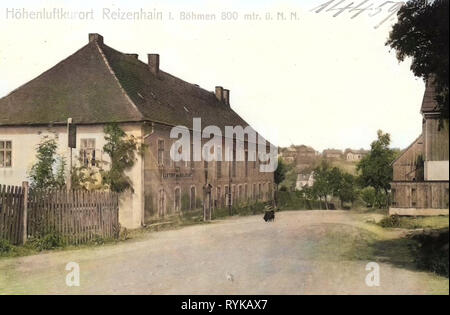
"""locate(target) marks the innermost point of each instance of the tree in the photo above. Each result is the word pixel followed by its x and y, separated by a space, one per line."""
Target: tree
pixel 280 172
pixel 376 167
pixel 122 151
pixel 322 187
pixel 347 191
pixel 49 170
pixel 422 32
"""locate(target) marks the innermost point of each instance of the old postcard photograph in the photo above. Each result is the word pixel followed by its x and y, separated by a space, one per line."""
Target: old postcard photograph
pixel 227 155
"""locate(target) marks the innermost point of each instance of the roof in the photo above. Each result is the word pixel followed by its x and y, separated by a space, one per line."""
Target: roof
pixel 419 138
pixel 98 84
pixel 360 151
pixel 429 103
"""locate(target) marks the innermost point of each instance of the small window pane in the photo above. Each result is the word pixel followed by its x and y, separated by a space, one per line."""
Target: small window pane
pixel 8 159
pixel 8 144
pixel 2 144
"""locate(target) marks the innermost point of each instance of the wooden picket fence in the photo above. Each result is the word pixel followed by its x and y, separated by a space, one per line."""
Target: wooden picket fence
pixel 76 216
pixel 11 213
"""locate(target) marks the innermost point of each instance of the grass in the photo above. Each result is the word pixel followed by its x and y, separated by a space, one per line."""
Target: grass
pixel 411 223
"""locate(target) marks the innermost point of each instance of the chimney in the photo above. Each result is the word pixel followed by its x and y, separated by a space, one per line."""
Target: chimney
pixel 226 96
pixel 135 56
pixel 94 37
pixel 219 93
pixel 153 63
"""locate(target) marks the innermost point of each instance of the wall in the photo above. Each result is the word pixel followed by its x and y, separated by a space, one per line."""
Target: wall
pixel 406 167
pixel 420 195
pixel 24 142
pixel 436 170
pixel 184 175
pixel 436 133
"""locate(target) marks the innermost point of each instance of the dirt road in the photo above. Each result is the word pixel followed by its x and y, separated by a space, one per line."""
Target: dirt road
pixel 302 252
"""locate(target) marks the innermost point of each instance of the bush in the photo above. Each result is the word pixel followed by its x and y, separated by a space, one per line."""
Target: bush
pixel 48 241
pixel 392 221
pixel 5 247
pixel 432 251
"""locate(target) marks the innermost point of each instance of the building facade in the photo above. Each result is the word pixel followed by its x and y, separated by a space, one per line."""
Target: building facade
pixel 354 155
pixel 99 85
pixel 421 173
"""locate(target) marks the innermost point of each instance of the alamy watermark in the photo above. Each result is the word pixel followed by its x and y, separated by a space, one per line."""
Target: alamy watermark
pixel 373 277
pixel 238 144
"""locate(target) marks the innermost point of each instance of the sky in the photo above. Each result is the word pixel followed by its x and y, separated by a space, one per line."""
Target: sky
pixel 318 80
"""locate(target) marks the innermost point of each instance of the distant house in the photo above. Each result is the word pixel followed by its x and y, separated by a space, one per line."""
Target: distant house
pixel 420 179
pixel 332 154
pixel 302 156
pixel 304 180
pixel 354 155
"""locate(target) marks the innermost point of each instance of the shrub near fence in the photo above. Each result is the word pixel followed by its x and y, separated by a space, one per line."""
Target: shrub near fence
pixel 76 216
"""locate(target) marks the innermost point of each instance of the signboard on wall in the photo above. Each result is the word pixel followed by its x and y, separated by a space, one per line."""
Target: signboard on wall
pixel 72 134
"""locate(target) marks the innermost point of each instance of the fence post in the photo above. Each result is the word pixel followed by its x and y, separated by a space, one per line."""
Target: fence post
pixel 25 213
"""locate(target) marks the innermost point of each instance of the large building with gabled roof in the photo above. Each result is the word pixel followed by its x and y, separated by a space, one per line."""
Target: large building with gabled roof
pixel 98 85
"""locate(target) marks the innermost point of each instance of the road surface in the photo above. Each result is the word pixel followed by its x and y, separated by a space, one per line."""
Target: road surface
pixel 299 253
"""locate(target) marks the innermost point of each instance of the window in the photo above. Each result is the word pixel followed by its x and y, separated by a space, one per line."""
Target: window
pixel 177 199
pixel 393 193
pixel 240 193
pixel 259 191
pixel 254 191
pixel 245 191
pixel 5 153
pixel 87 152
pixel 160 152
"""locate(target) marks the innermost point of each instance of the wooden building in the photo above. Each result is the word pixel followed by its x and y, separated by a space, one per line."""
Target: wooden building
pixel 421 173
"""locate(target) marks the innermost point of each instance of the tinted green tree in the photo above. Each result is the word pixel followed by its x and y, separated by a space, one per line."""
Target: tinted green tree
pixel 422 33
pixel 347 191
pixel 49 170
pixel 280 172
pixel 122 150
pixel 322 186
pixel 376 167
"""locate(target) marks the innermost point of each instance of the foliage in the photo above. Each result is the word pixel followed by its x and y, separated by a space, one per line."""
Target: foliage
pixel 347 191
pixel 432 252
pixel 322 181
pixel 422 33
pixel 280 172
pixel 289 178
pixel 5 247
pixel 392 221
pixel 376 167
pixel 49 170
pixel 368 195
pixel 122 151
pixel 87 177
pixel 48 241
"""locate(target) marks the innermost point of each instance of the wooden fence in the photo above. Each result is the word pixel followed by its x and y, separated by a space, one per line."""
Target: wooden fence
pixel 11 213
pixel 76 216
